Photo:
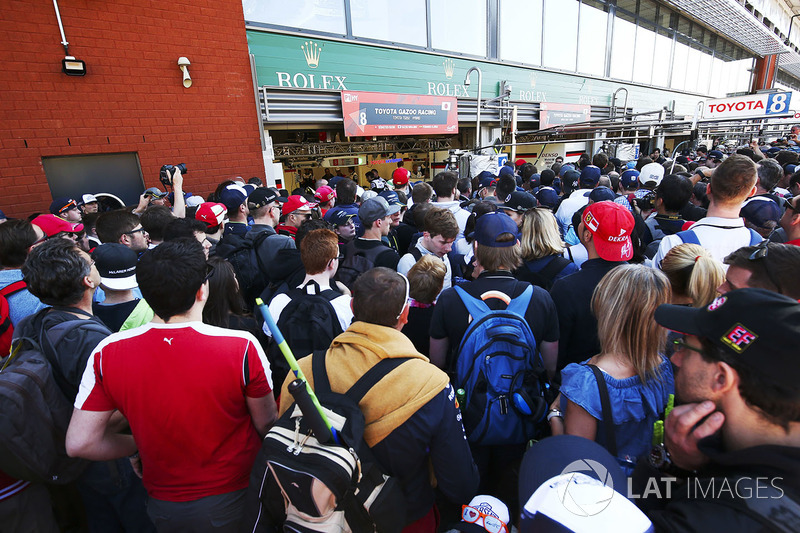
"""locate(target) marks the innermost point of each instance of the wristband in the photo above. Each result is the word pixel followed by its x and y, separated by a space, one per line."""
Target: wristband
pixel 554 413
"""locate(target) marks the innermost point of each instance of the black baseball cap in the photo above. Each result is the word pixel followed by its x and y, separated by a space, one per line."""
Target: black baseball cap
pixel 756 327
pixel 520 202
pixel 264 196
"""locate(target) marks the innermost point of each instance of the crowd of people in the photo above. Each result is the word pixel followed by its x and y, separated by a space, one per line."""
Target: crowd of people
pixel 636 315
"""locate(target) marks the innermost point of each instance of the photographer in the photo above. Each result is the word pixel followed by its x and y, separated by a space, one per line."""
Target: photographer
pixel 169 177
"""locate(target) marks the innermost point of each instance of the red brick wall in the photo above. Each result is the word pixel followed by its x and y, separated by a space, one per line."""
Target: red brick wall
pixel 132 98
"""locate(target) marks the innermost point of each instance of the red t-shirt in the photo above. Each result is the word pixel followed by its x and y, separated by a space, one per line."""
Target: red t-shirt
pixel 182 388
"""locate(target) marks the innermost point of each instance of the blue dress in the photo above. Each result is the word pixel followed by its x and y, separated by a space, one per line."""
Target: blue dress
pixel 635 406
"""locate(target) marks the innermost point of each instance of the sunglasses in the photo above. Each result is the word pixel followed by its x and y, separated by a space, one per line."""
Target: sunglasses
pixel 491 523
pixel 681 344
pixel 790 205
pixel 135 231
pixel 209 272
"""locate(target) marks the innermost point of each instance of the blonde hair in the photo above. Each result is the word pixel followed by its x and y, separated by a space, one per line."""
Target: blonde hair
pixel 693 273
pixel 540 237
pixel 625 303
pixel 426 278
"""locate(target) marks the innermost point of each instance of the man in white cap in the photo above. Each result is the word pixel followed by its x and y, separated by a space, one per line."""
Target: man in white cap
pixel 88 204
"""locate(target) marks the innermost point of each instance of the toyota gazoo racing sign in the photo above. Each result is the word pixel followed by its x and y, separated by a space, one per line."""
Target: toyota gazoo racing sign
pixel 765 105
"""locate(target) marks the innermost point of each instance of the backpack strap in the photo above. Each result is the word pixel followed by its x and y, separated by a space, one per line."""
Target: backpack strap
pixel 519 305
pixel 690 237
pixel 475 306
pixel 415 252
pixel 554 267
pixel 322 384
pixel 608 416
pixel 755 238
pixel 11 288
pixel 373 376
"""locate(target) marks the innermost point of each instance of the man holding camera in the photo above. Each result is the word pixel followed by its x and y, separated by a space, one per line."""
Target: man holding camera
pixel 171 175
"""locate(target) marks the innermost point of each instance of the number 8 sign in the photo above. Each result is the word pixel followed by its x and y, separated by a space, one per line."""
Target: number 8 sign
pixel 778 103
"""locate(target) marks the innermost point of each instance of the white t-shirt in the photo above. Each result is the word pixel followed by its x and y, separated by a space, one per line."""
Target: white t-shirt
pixel 720 236
pixel 408 261
pixel 341 305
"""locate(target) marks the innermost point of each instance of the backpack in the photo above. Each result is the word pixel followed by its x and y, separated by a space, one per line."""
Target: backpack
pixel 34 411
pixel 6 327
pixel 545 277
pixel 690 237
pixel 505 385
pixel 309 486
pixel 456 264
pixel 308 323
pixel 356 262
pixel 242 254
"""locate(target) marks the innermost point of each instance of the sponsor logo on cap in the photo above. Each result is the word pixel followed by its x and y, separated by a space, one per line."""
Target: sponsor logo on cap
pixel 591 222
pixel 739 338
pixel 713 306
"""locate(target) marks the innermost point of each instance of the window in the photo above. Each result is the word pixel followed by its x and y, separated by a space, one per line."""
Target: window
pixel 661 59
pixel 458 26
pixel 384 20
pixel 592 41
pixel 644 55
pixel 624 41
pixel 519 38
pixel 679 66
pixel 560 34
pixel 316 15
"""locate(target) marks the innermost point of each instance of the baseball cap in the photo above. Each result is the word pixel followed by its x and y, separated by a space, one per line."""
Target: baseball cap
pixel 376 208
pixel 762 212
pixel 368 194
pixel 264 196
pixel 651 174
pixel 505 170
pixel 564 168
pixel 631 165
pixel 629 179
pixel 53 225
pixel 572 177
pixel 211 213
pixel 297 202
pixel 116 264
pixel 519 162
pixel 715 154
pixel 569 483
pixel 547 197
pixel 590 175
pixel 235 194
pixel 391 198
pixel 757 327
pixel 340 218
pixel 520 202
pixel 155 191
pixel 400 176
pixel 472 519
pixel 790 169
pixel 325 194
pixel 87 199
pixel 486 179
pixel 611 225
pixel 62 205
pixel 491 225
pixel 194 200
pixel 601 194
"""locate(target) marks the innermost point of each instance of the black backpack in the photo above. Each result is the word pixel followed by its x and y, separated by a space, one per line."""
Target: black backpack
pixel 242 254
pixel 34 411
pixel 546 276
pixel 307 486
pixel 308 323
pixel 356 262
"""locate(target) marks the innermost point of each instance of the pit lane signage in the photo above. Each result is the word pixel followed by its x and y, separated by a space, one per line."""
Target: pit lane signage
pixel 765 105
pixel 368 113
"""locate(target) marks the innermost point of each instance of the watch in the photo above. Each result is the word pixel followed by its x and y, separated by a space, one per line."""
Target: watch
pixel 554 413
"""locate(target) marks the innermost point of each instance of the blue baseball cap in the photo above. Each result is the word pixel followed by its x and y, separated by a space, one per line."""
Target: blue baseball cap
pixel 590 175
pixel 341 218
pixel 601 194
pixel 491 225
pixel 629 179
pixel 547 197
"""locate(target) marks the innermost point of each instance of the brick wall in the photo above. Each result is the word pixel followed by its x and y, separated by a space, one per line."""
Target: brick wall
pixel 132 98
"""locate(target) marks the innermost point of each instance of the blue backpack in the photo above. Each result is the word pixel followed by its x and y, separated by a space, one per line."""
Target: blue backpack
pixel 690 237
pixel 501 372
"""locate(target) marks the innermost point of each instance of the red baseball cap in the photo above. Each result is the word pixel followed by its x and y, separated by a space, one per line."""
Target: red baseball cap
pixel 297 202
pixel 400 176
pixel 211 213
pixel 325 194
pixel 53 225
pixel 611 225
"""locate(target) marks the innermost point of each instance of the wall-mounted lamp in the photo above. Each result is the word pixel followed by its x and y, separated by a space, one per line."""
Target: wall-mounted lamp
pixel 183 63
pixel 73 67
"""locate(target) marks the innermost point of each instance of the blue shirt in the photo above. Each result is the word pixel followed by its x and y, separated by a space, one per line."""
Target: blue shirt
pixel 635 406
pixel 22 303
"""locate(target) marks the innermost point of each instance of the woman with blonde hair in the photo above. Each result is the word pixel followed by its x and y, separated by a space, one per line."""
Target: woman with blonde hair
pixel 542 247
pixel 630 370
pixel 693 274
